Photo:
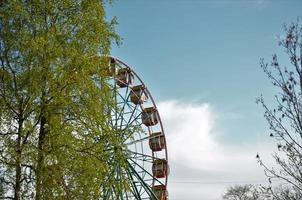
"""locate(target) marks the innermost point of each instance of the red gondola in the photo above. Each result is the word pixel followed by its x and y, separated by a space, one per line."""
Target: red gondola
pixel 157 141
pixel 160 168
pixel 150 116
pixel 161 192
pixel 124 77
pixel 138 95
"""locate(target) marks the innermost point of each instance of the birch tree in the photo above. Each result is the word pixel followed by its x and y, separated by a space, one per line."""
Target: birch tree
pixel 54 98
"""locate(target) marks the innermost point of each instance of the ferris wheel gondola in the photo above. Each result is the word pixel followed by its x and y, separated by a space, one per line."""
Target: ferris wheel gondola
pixel 139 157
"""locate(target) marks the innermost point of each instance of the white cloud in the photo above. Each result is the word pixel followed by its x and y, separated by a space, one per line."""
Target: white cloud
pixel 189 129
pixel 196 154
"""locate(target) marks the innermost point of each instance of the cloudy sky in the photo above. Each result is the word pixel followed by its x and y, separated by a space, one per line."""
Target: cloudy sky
pixel 200 60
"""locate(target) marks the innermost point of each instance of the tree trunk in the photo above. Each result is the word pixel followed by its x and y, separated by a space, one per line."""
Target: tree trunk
pixel 18 162
pixel 40 160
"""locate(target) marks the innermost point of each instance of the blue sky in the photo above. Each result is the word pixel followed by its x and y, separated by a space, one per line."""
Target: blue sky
pixel 204 54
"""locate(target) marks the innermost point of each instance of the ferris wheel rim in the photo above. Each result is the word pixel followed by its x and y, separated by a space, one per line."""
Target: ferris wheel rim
pixel 149 93
pixel 165 182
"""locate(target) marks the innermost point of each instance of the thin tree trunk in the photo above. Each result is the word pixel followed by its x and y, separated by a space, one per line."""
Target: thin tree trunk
pixel 18 162
pixel 42 131
pixel 41 141
pixel 40 160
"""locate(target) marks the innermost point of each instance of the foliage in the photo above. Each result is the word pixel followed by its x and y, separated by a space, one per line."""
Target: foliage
pixel 284 193
pixel 54 98
pixel 285 119
pixel 246 192
pixel 258 192
pixel 239 193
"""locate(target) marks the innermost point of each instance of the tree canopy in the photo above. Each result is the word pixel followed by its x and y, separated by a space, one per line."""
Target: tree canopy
pixel 246 192
pixel 54 99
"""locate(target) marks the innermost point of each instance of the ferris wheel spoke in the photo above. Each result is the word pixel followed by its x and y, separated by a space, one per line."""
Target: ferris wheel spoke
pixel 138 185
pixel 135 191
pixel 116 106
pixel 113 191
pixel 109 190
pixel 151 175
pixel 126 194
pixel 111 125
pixel 130 123
pixel 106 195
pixel 122 179
pixel 146 187
pixel 139 140
pixel 119 116
pixel 130 160
pixel 143 157
pixel 124 102
pixel 129 104
pixel 133 112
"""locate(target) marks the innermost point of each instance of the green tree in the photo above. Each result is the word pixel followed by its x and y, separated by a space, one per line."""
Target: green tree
pixel 1 189
pixel 54 98
pixel 285 118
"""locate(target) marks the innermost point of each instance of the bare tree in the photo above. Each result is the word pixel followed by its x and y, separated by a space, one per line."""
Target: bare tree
pixel 246 192
pixel 284 193
pixel 285 116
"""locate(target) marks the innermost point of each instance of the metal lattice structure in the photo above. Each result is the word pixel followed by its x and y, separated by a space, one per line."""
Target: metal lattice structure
pixel 140 145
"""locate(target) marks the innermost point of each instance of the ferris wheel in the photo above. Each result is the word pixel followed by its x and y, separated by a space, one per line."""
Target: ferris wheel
pixel 138 154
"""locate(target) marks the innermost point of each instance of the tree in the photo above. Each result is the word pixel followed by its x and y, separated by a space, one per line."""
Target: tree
pixel 285 118
pixel 54 98
pixel 1 189
pixel 246 192
pixel 284 193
